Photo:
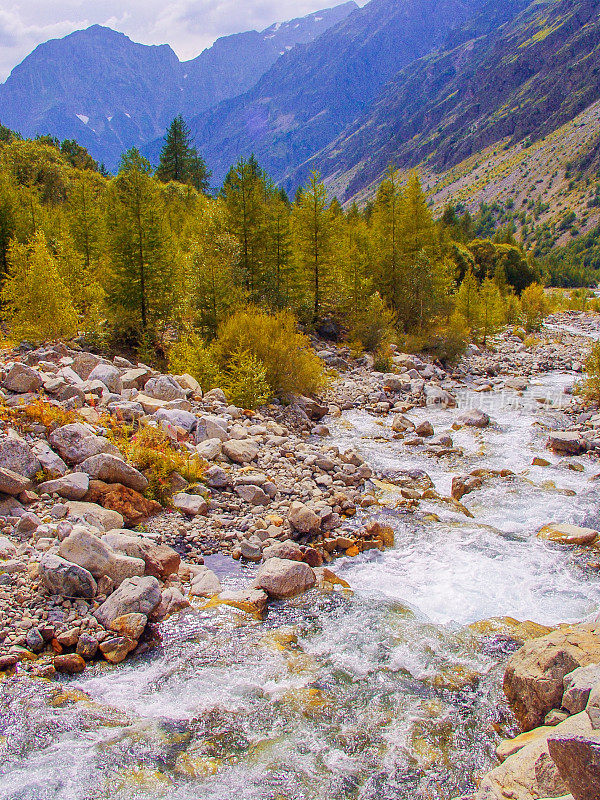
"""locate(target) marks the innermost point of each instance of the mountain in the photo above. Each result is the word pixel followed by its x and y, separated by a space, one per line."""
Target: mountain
pixel 109 93
pixel 519 82
pixel 310 95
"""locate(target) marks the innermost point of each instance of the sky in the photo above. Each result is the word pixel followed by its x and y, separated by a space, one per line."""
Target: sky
pixel 189 26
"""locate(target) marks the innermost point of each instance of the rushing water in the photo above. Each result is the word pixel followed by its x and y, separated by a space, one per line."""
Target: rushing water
pixel 382 693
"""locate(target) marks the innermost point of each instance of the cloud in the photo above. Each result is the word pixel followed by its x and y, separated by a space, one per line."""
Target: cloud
pixel 189 26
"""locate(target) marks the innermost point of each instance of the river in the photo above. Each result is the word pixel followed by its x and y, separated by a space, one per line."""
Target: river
pixel 382 692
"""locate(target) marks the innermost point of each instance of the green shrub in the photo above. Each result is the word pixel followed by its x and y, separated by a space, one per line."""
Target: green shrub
pixel 448 341
pixel 591 384
pixel 291 367
pixel 534 306
pixel 373 325
pixel 191 355
pixel 245 381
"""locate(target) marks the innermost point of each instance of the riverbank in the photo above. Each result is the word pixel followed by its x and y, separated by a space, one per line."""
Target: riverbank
pixel 319 676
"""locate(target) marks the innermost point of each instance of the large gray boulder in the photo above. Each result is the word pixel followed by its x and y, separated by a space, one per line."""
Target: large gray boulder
pixel 109 376
pixel 126 410
pixel 72 487
pixel 164 387
pixel 281 578
pixel 84 363
pixel 211 427
pixel 240 451
pixel 75 442
pixel 12 482
pixel 108 468
pixel 65 578
pixel 102 518
pixel 51 462
pixel 578 686
pixel 22 379
pixel 134 596
pixel 17 455
pixel 176 416
pixel 190 504
pixel 578 762
pixel 88 551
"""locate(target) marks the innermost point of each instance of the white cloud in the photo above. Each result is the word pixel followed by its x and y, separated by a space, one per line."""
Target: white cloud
pixel 187 25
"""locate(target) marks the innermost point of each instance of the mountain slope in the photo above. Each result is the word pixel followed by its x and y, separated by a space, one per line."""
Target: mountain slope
pixel 109 93
pixel 523 80
pixel 310 95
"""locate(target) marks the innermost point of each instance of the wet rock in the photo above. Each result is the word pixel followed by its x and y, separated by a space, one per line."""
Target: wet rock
pixel 533 680
pixel 75 442
pixel 116 649
pixel 72 487
pixel 566 442
pixel 12 482
pixel 8 663
pixel 578 762
pixel 66 579
pixel 578 686
pixel 424 429
pixel 69 663
pixel 250 550
pixel 205 583
pixel 22 379
pixel 303 519
pixel 130 625
pixel 240 451
pixel 252 600
pixel 464 484
pixel 564 533
pixel 401 423
pixel 17 456
pixel 111 469
pixel 473 418
pixel 87 646
pixel 171 601
pixel 135 595
pixel 190 504
pixel 282 578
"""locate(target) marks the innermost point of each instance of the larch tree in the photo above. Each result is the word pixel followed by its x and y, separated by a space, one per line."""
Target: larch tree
pixel 467 301
pixel 386 263
pixel 492 314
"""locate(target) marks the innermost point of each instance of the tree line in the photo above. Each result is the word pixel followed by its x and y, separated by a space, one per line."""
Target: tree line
pixel 145 258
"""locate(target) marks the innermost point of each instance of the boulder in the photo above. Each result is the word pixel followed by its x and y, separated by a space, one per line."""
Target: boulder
pixel 134 596
pixel 215 477
pixel 117 648
pixel 177 417
pixel 7 548
pixel 22 379
pixel 190 504
pixel 12 482
pixel 252 600
pixel 133 507
pixel 593 707
pixel 69 663
pixel 165 388
pixel 87 646
pixel 567 443
pixel 130 625
pixel 51 463
pixel 425 429
pixel 88 551
pixel 75 442
pixel 102 518
pixel 436 396
pixel 205 583
pixel 533 680
pixel 400 423
pixel 84 363
pixel 66 579
pixel 578 686
pixel 578 762
pixel 16 455
pixel 240 451
pixel 209 449
pixel 473 418
pixel 126 410
pixel 111 469
pixel 109 376
pixel 564 533
pixel 253 495
pixel 135 378
pixel 303 519
pixel 161 560
pixel 464 484
pixel 281 578
pixel 72 487
pixel 288 550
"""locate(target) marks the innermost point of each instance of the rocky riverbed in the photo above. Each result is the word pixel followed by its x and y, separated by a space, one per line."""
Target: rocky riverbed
pixel 336 598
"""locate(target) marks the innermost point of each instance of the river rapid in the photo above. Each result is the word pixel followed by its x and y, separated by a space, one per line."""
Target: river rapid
pixel 381 692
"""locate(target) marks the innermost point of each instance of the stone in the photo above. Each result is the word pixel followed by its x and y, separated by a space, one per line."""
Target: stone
pixel 578 762
pixel 289 550
pixel 87 646
pixel 102 518
pixel 116 649
pixel 69 663
pixel 425 429
pixel 564 533
pixel 252 600
pixel 176 417
pixel 205 584
pixel 303 519
pixel 72 487
pixel 28 523
pixel 135 378
pixel 66 579
pixel 50 462
pixel 165 388
pixel 133 507
pixel 215 477
pixel 111 469
pixel 578 686
pixel 251 551
pixel 473 418
pixel 533 680
pixel 22 379
pixel 109 375
pixel 75 442
pixel 464 484
pixel 566 442
pixel 188 382
pixel 130 625
pixel 150 404
pixel 126 410
pixel 593 707
pixel 34 640
pixel 161 560
pixel 282 578
pixel 209 449
pixel 84 363
pixel 253 495
pixel 7 548
pixel 190 504
pixel 436 396
pixel 12 482
pixel 240 451
pixel 93 554
pixel 171 601
pixel 17 456
pixel 135 595
pixel 401 423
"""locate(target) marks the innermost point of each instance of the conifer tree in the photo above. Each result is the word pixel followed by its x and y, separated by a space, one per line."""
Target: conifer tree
pixel 36 298
pixel 467 301
pixel 492 313
pixel 386 264
pixel 179 159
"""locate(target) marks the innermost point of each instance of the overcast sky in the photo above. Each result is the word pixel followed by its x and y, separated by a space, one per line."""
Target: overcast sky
pixel 187 25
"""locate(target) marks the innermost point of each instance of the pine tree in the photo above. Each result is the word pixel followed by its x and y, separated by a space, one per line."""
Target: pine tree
pixel 179 159
pixel 36 298
pixel 140 275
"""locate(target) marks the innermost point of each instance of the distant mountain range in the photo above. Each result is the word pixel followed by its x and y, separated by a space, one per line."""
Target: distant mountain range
pixel 109 93
pixel 427 83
